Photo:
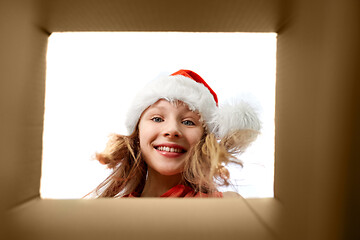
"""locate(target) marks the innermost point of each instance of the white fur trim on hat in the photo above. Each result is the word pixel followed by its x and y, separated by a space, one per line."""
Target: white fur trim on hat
pixel 235 115
pixel 219 120
pixel 177 87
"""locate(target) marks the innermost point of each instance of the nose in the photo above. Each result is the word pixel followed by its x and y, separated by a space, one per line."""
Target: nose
pixel 172 130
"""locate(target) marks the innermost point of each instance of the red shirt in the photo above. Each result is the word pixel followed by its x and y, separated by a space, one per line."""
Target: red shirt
pixel 181 191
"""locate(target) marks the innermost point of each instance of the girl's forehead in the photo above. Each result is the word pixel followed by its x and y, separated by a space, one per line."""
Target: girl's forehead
pixel 166 105
pixel 163 104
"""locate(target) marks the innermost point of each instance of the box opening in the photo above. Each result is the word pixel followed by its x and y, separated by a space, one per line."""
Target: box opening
pixel 93 76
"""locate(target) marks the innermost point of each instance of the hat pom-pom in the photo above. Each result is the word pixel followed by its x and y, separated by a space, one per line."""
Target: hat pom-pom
pixel 236 115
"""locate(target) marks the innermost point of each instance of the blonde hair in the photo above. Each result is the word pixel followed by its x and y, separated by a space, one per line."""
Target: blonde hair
pixel 204 171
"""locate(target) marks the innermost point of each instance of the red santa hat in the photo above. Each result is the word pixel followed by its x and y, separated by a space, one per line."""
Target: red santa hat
pixel 188 87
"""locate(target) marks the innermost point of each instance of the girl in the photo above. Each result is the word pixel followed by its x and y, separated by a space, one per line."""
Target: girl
pixel 180 141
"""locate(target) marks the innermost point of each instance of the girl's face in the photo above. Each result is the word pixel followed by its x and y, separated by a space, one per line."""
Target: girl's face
pixel 167 132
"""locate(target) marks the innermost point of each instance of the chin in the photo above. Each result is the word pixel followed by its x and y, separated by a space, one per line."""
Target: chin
pixel 166 171
pixel 169 172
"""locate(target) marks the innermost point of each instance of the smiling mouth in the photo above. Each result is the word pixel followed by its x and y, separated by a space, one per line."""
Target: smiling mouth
pixel 170 149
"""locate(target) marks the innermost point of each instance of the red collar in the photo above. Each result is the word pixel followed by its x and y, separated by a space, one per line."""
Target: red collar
pixel 180 191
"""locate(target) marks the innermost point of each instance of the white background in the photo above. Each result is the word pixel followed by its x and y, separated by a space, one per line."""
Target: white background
pixel 92 77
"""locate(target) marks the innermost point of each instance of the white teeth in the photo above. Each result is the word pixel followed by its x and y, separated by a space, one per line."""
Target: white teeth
pixel 167 149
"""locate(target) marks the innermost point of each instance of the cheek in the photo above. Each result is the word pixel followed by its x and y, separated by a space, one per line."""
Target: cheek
pixel 195 137
pixel 143 138
pixel 143 132
pixel 144 146
pixel 146 137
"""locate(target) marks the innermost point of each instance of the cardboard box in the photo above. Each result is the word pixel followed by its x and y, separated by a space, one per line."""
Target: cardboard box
pixel 316 180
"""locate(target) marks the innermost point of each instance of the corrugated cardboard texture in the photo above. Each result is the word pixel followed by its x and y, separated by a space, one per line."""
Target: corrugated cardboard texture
pixel 316 105
pixel 316 122
pixel 162 15
pixel 139 219
pixel 23 52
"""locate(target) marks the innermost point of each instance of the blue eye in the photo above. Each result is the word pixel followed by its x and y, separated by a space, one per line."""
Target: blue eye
pixel 157 119
pixel 188 123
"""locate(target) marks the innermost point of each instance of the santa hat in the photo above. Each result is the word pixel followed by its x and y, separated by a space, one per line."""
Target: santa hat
pixel 188 87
